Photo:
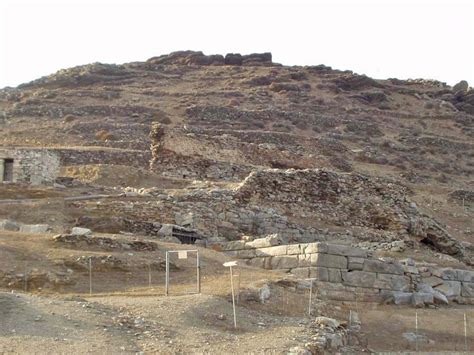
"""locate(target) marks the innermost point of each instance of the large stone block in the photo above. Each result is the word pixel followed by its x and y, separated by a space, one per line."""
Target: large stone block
pixel 392 282
pixel 272 251
pixel 319 273
pixel 420 299
pixel 284 262
pixel 327 260
pixel 410 269
pixel 465 275
pixel 304 260
pixel 467 289
pixel 302 247
pixel 334 275
pixel 35 228
pixel 246 253
pixel 268 241
pixel 446 274
pixel 293 249
pixel 346 250
pixel 432 281
pixel 354 263
pixel 358 278
pixel 301 272
pixel 317 247
pixel 383 267
pixel 7 225
pixel 256 262
pixel 234 245
pixel 402 297
pixel 450 288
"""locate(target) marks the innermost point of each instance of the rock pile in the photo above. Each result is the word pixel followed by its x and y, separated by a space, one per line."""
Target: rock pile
pixel 103 242
pixel 347 200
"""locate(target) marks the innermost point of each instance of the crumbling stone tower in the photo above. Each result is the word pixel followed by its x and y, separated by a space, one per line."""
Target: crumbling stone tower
pixel 156 135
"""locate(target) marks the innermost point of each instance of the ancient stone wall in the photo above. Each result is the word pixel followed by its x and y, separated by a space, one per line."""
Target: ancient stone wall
pixel 346 273
pixel 79 156
pixel 33 166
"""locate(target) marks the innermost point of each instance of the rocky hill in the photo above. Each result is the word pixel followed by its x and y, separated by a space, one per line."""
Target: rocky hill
pixel 242 145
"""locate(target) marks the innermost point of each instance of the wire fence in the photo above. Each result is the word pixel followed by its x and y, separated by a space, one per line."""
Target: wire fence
pixel 384 327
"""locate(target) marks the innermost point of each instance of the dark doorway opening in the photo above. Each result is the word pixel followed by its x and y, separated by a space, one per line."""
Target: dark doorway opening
pixel 8 170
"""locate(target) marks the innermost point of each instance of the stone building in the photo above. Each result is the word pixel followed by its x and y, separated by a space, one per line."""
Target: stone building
pixel 28 165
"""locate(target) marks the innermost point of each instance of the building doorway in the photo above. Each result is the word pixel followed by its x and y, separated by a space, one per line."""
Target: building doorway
pixel 8 170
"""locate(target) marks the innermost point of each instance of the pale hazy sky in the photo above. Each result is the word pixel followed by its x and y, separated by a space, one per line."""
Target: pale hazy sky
pixel 403 39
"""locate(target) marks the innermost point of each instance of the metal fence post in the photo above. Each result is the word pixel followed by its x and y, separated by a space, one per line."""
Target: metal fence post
pixel 198 272
pixel 167 276
pixel 149 275
pixel 90 275
pixel 465 333
pixel 26 278
pixel 416 331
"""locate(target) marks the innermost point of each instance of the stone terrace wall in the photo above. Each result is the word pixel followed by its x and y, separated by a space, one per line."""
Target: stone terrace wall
pixel 81 156
pixel 343 271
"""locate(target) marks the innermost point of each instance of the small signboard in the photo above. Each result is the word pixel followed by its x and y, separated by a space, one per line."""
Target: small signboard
pixel 230 263
pixel 182 254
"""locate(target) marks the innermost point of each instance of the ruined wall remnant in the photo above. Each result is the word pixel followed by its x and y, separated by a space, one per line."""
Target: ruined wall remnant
pixel 32 166
pixel 347 273
pixel 156 135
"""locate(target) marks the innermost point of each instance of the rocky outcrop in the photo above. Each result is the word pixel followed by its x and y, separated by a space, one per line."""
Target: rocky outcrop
pixel 199 58
pixel 351 82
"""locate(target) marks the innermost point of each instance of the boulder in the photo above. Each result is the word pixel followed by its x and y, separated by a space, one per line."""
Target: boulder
pixel 461 86
pixel 256 293
pixel 7 225
pixel 438 297
pixel 327 322
pixel 80 231
pixel 166 230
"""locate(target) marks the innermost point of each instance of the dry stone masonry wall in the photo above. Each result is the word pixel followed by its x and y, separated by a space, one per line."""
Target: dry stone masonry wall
pixel 344 273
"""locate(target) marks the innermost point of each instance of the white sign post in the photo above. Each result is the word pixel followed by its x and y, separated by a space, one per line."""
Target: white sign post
pixel 229 264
